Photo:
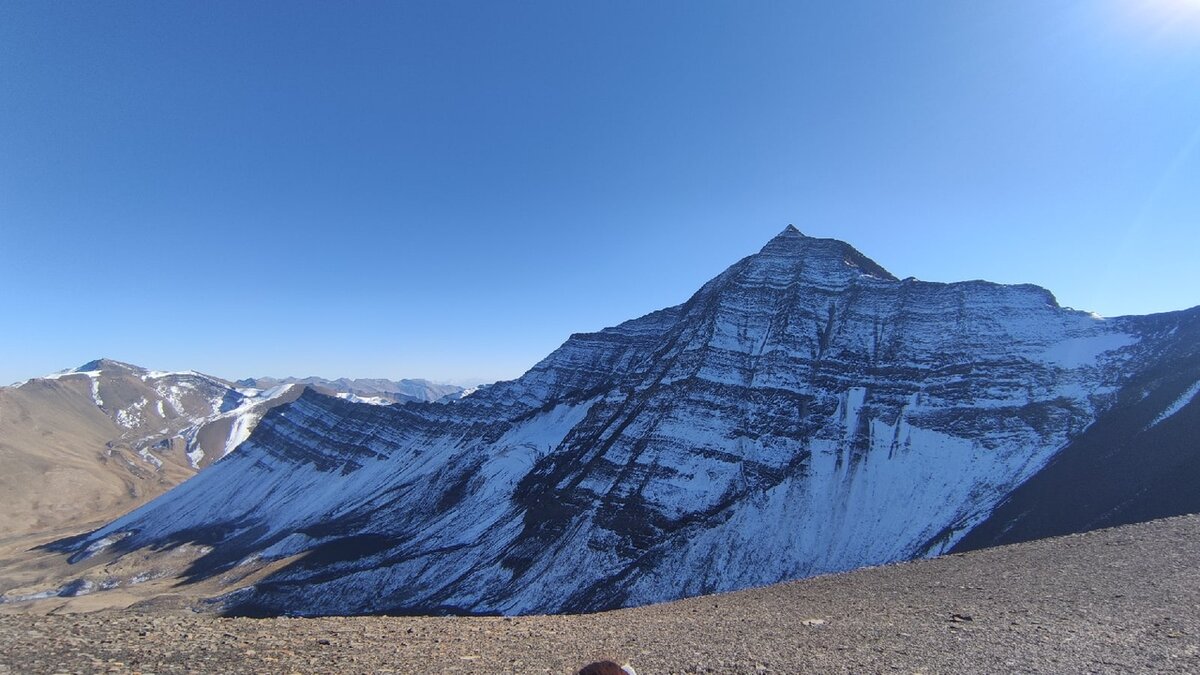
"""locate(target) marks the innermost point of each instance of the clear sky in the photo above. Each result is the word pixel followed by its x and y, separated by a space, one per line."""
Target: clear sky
pixel 448 190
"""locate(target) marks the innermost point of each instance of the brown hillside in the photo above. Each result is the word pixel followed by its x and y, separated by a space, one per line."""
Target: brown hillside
pixel 61 464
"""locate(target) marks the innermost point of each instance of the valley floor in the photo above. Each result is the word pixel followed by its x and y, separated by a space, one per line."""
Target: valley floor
pixel 1119 600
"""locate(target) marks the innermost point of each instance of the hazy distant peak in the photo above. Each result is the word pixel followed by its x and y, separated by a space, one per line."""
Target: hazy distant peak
pixel 377 390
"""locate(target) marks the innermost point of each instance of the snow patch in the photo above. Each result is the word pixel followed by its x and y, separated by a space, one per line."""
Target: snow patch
pixel 103 543
pixel 195 455
pixel 1085 351
pixel 145 454
pixel 143 577
pixel 240 431
pixel 40 595
pixel 132 416
pixel 172 395
pixel 369 400
pixel 1178 405
pixel 68 373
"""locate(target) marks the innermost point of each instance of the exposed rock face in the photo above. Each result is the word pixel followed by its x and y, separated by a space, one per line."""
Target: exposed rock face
pixel 804 412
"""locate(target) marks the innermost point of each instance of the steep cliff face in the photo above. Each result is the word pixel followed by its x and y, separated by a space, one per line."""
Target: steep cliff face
pixel 804 412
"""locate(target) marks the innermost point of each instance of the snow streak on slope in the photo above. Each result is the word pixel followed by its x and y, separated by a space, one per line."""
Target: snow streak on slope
pixel 804 412
pixel 1178 404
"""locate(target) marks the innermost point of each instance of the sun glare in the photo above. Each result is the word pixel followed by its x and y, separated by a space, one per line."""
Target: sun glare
pixel 1171 19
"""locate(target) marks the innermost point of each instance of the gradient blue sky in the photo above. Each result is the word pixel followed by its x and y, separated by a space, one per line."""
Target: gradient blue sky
pixel 448 190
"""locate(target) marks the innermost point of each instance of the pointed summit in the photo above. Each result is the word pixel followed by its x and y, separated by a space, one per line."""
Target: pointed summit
pixel 789 238
pixel 789 233
pixel 102 364
pixel 828 258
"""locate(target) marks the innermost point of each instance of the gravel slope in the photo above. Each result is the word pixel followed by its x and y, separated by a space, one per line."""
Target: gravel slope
pixel 1119 600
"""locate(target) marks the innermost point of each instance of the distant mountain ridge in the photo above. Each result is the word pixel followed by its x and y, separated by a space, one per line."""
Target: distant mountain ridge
pixel 369 390
pixel 804 412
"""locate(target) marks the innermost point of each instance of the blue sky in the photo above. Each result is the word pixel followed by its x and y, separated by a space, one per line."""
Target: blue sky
pixel 448 190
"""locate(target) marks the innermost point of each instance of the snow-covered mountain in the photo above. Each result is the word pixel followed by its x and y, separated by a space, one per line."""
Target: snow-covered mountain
pixel 804 412
pixel 159 413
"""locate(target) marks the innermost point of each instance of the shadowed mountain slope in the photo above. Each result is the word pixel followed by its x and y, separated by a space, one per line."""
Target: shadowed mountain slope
pixel 1140 460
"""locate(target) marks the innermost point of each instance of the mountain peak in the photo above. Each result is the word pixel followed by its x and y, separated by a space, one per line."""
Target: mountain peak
pixel 789 232
pixel 785 421
pixel 105 364
pixel 828 257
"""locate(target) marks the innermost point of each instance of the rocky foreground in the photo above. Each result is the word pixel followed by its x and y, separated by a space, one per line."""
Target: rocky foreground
pixel 1119 600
